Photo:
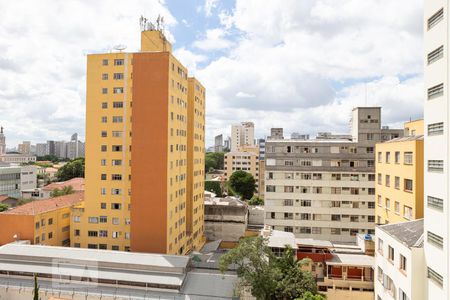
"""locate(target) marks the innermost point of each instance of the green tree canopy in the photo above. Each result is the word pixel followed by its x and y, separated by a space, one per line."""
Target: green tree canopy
pixel 268 276
pixel 311 296
pixel 61 192
pixel 72 169
pixel 256 201
pixel 243 184
pixel 3 207
pixel 213 161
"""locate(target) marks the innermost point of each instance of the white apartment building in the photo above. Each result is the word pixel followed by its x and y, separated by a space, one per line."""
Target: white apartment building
pixel 400 261
pixel 325 188
pixel 242 135
pixel 436 148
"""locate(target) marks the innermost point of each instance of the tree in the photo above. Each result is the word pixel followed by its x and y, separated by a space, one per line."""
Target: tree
pixel 3 207
pixel 268 276
pixel 36 289
pixel 214 186
pixel 311 296
pixel 243 184
pixel 256 201
pixel 213 161
pixel 61 192
pixel 72 169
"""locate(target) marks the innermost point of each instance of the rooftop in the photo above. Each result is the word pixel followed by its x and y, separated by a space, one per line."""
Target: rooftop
pixel 409 233
pixel 40 206
pixel 345 259
pixel 228 201
pixel 279 239
pixel 313 242
pixel 406 139
pixel 76 183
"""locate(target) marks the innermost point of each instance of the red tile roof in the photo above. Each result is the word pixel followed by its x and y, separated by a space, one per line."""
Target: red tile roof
pixel 4 197
pixel 40 206
pixel 76 183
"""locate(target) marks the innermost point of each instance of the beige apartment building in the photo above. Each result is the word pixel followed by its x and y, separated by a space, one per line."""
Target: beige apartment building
pixel 399 170
pixel 242 135
pixel 325 188
pixel 245 159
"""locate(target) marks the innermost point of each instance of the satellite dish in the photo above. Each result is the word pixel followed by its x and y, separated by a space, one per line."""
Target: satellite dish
pixel 120 47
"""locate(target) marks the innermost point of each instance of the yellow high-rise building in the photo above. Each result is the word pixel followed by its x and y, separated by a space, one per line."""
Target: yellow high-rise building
pixel 399 171
pixel 145 128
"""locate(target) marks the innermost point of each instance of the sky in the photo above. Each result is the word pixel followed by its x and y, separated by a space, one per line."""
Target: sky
pixel 300 65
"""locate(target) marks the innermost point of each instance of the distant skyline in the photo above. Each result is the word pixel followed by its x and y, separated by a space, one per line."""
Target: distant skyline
pixel 302 65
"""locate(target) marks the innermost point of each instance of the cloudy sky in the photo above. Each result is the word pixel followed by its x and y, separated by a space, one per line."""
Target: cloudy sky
pixel 302 65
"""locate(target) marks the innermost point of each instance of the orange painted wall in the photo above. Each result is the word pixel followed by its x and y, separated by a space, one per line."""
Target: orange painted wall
pixel 22 225
pixel 149 152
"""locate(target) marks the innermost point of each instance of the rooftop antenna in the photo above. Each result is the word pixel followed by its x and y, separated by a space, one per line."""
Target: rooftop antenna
pixel 120 47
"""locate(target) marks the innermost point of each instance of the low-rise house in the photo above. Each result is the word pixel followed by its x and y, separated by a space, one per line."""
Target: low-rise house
pixel 77 185
pixel 226 219
pixel 45 222
pixel 400 261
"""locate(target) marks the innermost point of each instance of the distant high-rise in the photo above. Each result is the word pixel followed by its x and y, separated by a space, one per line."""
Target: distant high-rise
pixel 2 142
pixel 24 147
pixel 218 143
pixel 242 135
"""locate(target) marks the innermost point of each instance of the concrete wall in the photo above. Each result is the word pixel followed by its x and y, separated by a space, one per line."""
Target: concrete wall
pixel 225 222
pixel 256 215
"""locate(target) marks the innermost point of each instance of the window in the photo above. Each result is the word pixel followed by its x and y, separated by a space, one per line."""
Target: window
pixel 118 62
pixel 118 90
pixel 335 217
pixel 103 219
pixel 104 104
pixel 387 204
pixel 380 178
pixel 288 202
pixel 117 134
pixel 102 205
pixel 305 230
pixel 103 177
pixel 117 148
pixel 116 176
pixel 403 263
pixel 92 233
pixel 116 206
pixel 397 207
pixel 371 204
pixel 116 162
pixel 371 219
pixel 380 201
pixel 305 203
pixel 104 134
pixel 50 221
pixel 93 220
pixel 270 188
pixel 436 18
pixel 76 232
pixel 435 165
pixel 370 136
pixel 335 231
pixel 288 216
pixel 436 128
pixel 436 55
pixel 304 216
pixel 117 119
pixel 118 104
pixel 115 247
pixel 380 157
pixel 105 76
pixel 397 157
pixel 435 91
pixel 391 253
pixel 388 157
pixel 408 184
pixel 288 229
pixel 407 212
pixel 397 182
pixel 436 203
pixel 103 233
pixel 369 150
pixel 104 62
pixel 388 180
pixel 371 177
pixel 370 163
pixel 104 90
pixel 434 276
pixel 115 221
pixel 104 119
pixel 92 246
pixel 76 219
pixel 116 191
pixel 288 189
pixel 380 276
pixel 435 239
pixel 408 158
pixel 118 76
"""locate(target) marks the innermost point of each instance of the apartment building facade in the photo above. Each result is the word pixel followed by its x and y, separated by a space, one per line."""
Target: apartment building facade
pixel 242 135
pixel 246 158
pixel 144 152
pixel 437 148
pixel 399 169
pixel 43 222
pixel 325 188
pixel 400 261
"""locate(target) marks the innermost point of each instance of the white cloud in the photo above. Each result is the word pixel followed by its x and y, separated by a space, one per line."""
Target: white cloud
pixel 210 5
pixel 215 39
pixel 42 59
pixel 306 61
pixel 189 59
